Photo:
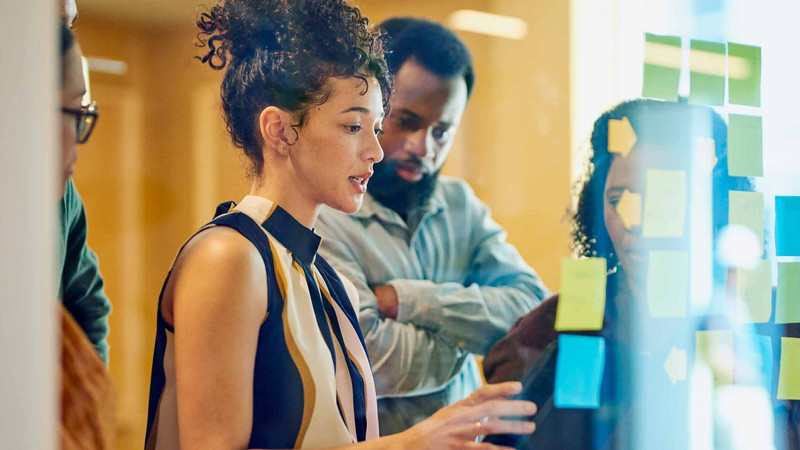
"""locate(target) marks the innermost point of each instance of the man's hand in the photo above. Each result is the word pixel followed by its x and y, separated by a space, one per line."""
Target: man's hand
pixel 387 300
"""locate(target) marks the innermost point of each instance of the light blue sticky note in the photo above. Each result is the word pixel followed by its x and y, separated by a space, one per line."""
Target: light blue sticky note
pixel 753 360
pixel 745 146
pixel 787 303
pixel 667 283
pixel 787 221
pixel 579 371
pixel 664 213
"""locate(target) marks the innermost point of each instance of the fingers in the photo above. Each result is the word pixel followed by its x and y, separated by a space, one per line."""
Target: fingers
pixel 501 408
pixel 501 426
pixel 492 391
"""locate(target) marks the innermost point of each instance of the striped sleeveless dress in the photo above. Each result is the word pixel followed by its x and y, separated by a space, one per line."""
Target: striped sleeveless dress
pixel 313 383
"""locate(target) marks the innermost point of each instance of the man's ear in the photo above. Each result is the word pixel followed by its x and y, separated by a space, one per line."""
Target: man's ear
pixel 275 126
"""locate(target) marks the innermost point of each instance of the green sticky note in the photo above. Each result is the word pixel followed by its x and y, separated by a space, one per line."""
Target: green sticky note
pixel 665 204
pixel 744 74
pixel 789 378
pixel 714 349
pixel 707 73
pixel 754 289
pixel 582 301
pixel 667 283
pixel 662 67
pixel 787 304
pixel 745 146
pixel 747 208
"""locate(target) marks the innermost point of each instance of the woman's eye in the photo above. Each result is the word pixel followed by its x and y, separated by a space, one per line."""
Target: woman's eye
pixel 354 128
pixel 613 201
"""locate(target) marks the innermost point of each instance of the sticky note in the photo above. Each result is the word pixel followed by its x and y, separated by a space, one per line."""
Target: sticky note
pixel 789 375
pixel 629 209
pixel 707 73
pixel 745 155
pixel 667 283
pixel 753 363
pixel 787 218
pixel 744 74
pixel 582 302
pixel 754 292
pixel 579 371
pixel 714 348
pixel 675 365
pixel 747 209
pixel 662 67
pixel 787 303
pixel 665 204
pixel 621 137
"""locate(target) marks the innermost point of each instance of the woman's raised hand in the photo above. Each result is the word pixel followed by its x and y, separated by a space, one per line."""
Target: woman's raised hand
pixel 463 425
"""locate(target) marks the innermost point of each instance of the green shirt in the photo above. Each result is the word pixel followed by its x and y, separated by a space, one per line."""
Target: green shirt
pixel 81 286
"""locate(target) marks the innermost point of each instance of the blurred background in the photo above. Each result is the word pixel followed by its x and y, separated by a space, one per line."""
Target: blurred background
pixel 160 159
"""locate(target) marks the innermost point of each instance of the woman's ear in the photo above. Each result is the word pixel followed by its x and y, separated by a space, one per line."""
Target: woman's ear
pixel 275 126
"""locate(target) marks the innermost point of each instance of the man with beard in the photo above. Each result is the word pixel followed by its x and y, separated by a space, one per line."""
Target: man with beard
pixel 437 282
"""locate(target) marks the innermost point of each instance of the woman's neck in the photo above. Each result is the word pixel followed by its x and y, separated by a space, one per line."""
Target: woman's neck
pixel 289 198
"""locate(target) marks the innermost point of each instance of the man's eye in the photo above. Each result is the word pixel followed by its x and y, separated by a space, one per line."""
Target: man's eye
pixel 441 133
pixel 408 123
pixel 379 132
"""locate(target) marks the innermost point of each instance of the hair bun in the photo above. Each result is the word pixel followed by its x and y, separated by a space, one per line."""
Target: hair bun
pixel 238 28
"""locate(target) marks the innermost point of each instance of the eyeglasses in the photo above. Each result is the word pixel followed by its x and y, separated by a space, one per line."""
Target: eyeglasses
pixel 85 118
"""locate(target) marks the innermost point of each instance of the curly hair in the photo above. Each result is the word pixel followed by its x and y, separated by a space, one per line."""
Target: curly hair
pixel 283 53
pixel 668 126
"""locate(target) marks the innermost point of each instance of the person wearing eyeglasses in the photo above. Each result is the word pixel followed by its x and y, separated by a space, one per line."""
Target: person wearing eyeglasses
pixel 81 286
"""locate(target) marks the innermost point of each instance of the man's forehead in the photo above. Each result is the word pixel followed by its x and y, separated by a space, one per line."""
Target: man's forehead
pixel 427 95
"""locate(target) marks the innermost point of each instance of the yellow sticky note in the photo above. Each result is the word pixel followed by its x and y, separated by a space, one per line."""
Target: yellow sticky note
pixel 665 204
pixel 714 348
pixel 706 156
pixel 789 378
pixel 629 209
pixel 582 301
pixel 621 137
pixel 754 289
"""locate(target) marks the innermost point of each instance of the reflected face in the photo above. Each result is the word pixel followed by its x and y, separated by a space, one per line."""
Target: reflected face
pixel 336 148
pixel 425 112
pixel 72 91
pixel 630 173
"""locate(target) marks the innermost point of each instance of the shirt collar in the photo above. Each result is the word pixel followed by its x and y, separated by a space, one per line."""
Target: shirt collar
pixel 301 241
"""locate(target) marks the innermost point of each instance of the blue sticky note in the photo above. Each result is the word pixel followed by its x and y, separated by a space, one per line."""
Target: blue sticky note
pixel 579 371
pixel 787 218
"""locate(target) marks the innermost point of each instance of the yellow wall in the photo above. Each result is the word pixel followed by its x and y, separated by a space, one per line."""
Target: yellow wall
pixel 160 159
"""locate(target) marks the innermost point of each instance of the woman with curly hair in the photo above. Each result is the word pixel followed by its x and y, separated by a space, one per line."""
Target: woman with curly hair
pixel 666 138
pixel 258 343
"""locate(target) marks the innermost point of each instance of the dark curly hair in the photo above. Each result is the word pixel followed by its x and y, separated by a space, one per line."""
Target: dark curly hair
pixel 283 53
pixel 435 47
pixel 669 126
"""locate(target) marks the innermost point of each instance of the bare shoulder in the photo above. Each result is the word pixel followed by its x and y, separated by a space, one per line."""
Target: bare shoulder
pixel 218 266
pixel 350 289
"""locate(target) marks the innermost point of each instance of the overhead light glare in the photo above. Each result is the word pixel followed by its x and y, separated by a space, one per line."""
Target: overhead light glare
pixel 490 24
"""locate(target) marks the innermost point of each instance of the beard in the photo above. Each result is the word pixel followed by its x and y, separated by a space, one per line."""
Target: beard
pixel 397 194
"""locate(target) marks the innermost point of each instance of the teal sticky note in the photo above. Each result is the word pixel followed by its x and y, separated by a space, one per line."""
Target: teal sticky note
pixel 747 209
pixel 664 204
pixel 754 292
pixel 787 303
pixel 707 73
pixel 745 151
pixel 787 218
pixel 579 371
pixel 744 74
pixel 753 360
pixel 582 302
pixel 662 67
pixel 667 283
